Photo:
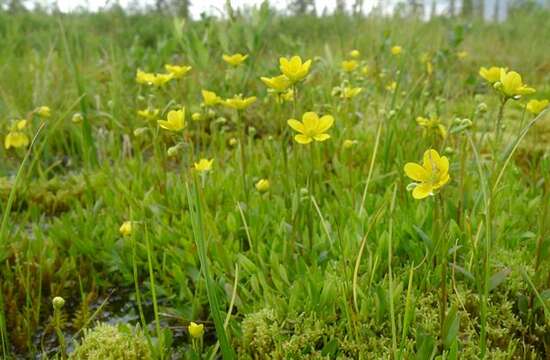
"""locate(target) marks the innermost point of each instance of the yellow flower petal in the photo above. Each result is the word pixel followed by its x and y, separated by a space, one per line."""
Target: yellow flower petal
pixel 302 139
pixel 430 160
pixel 325 123
pixel 422 191
pixel 310 120
pixel 296 125
pixel 321 137
pixel 415 172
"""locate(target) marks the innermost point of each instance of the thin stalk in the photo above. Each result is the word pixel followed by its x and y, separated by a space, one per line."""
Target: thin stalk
pixel 498 124
pixel 390 274
pixel 371 168
pixel 407 317
pixel 442 241
pixel 195 208
pixel 243 156
pixel 485 191
pixel 154 294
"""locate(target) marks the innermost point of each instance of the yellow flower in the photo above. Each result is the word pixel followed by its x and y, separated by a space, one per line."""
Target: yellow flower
pixel 349 65
pixel 278 83
pixel 235 59
pixel 512 84
pixel 237 102
pixel 430 176
pixel 293 68
pixel 462 55
pixel 433 123
pixel 391 86
pixel 195 330
pixel 16 139
pixel 311 128
pixel 354 54
pixel 126 228
pixel 203 165
pixel 161 79
pixel 143 77
pixel 396 50
pixel 209 98
pixel 44 111
pixel 177 71
pixel 348 143
pixel 175 120
pixel 263 185
pixel 349 92
pixel 491 74
pixel 365 70
pixel 537 106
pixel 19 125
pixel 149 114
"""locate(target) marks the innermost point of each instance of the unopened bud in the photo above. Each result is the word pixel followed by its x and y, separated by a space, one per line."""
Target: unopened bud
pixel 58 302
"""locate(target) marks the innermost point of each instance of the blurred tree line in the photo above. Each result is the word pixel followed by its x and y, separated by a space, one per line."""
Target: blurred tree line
pixel 463 8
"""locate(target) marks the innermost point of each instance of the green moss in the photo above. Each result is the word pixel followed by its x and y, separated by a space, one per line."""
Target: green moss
pixel 109 342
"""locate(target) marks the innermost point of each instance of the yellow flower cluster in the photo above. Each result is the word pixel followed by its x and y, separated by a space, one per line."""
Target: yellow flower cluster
pixel 293 70
pixel 160 79
pixel 508 83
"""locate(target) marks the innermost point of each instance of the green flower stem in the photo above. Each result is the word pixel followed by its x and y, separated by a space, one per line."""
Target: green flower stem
pixel 440 240
pixel 59 332
pixel 195 209
pixel 312 192
pixel 498 126
pixel 154 294
pixel 243 155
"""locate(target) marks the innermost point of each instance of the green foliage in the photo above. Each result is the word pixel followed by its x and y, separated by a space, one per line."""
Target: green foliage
pixel 335 260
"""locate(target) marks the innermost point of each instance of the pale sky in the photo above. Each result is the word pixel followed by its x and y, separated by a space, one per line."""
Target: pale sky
pixel 199 6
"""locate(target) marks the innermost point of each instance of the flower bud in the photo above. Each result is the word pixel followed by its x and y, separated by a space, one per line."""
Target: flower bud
pixel 233 141
pixel 466 122
pixel 263 185
pixel 448 150
pixel 58 302
pixel 172 151
pixel 195 330
pixel 482 107
pixel 140 131
pixel 126 228
pixel 77 118
pixel 478 98
pixel 354 54
pixel 196 116
pixel 348 143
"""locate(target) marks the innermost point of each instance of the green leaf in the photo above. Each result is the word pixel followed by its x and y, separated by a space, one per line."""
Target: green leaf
pixel 451 326
pixel 498 278
pixel 426 348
